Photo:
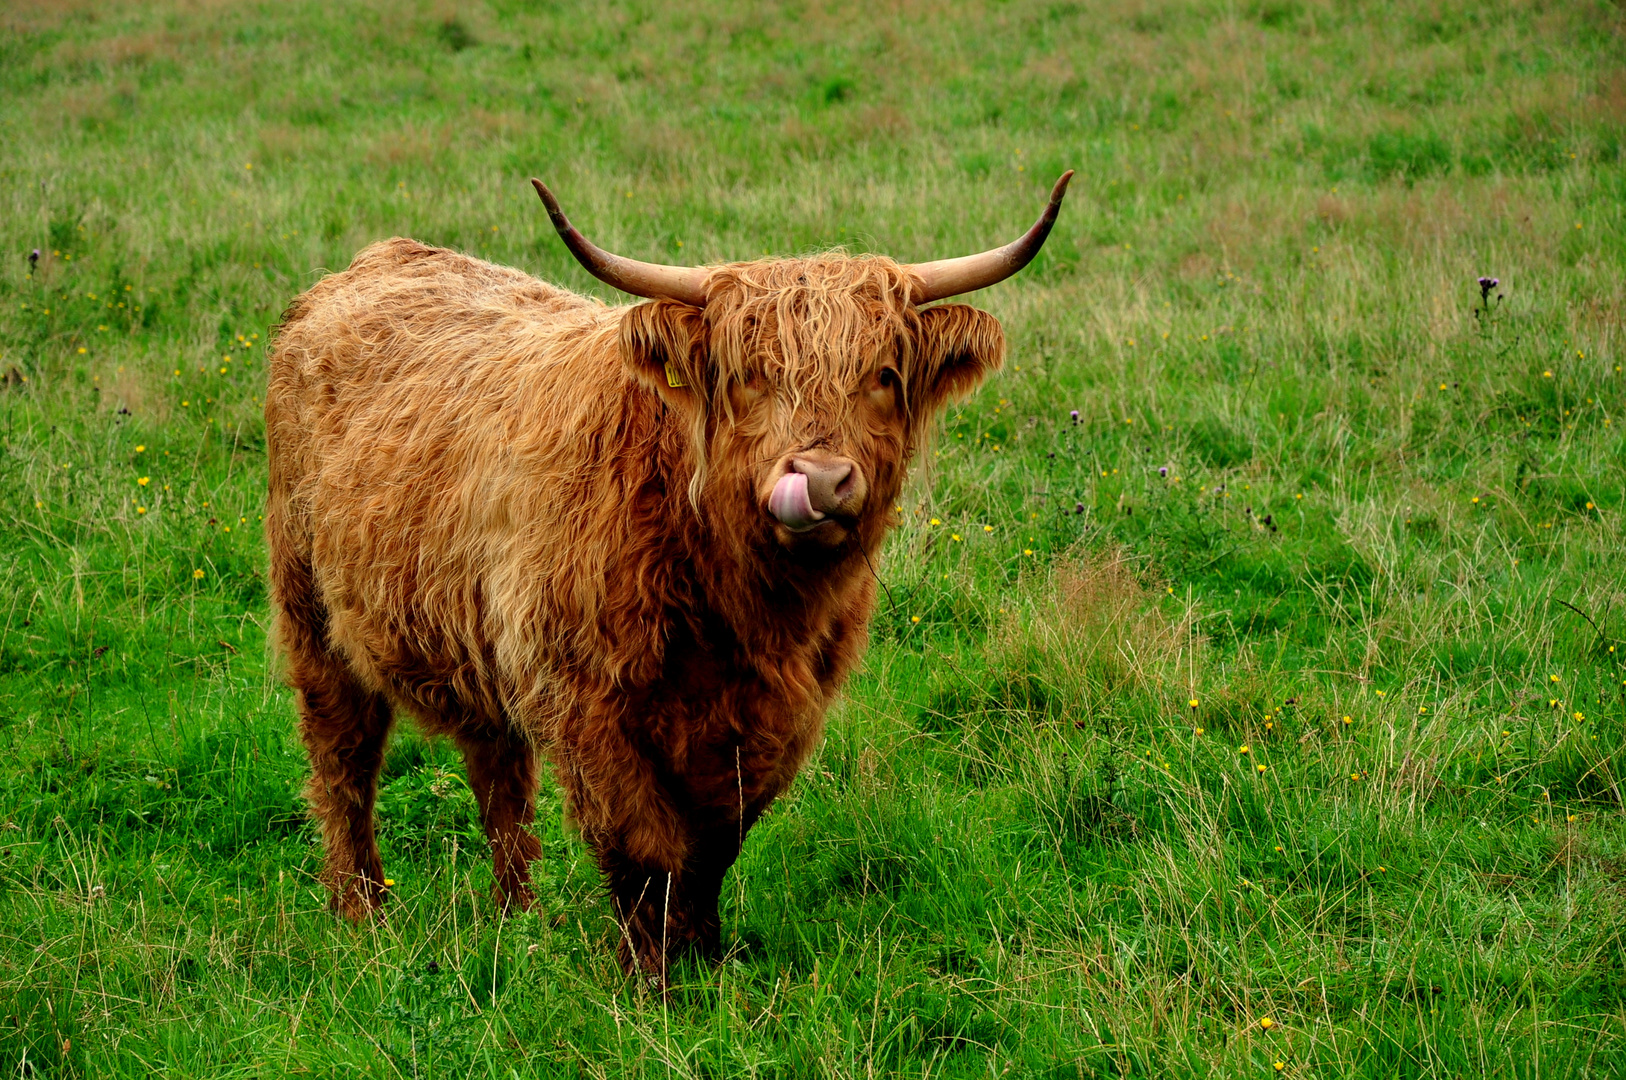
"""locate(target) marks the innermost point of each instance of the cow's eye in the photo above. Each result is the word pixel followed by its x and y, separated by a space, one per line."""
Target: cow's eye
pixel 883 388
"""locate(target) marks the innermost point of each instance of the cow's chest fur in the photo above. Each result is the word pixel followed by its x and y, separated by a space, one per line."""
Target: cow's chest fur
pixel 727 722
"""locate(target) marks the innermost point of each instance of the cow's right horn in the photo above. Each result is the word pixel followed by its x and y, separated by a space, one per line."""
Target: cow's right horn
pixel 654 280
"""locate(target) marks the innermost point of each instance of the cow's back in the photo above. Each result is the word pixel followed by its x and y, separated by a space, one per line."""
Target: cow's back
pixel 453 446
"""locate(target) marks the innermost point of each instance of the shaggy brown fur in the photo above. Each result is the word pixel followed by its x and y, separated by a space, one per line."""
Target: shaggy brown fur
pixel 490 509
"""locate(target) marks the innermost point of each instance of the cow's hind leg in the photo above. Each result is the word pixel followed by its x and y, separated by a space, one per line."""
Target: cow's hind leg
pixel 503 774
pixel 345 728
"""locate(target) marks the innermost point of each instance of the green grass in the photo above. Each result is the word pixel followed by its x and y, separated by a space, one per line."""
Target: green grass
pixel 1015 854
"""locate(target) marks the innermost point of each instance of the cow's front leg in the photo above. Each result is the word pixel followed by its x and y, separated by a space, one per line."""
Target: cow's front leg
pixel 667 913
pixel 738 788
pixel 628 817
pixel 648 903
pixel 712 853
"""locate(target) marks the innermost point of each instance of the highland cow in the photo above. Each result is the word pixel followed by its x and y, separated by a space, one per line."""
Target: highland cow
pixel 633 539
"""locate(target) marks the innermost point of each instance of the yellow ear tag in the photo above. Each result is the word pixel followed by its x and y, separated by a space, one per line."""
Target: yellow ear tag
pixel 674 378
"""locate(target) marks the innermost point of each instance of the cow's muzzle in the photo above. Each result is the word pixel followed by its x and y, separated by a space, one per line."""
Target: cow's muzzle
pixel 818 494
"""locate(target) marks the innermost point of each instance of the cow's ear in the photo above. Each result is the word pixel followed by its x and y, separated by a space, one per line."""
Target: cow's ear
pixel 664 346
pixel 959 346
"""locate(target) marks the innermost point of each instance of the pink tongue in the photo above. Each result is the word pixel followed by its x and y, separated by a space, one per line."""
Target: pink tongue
pixel 789 502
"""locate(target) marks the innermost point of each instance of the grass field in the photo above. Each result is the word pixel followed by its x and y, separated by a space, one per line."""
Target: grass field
pixel 1250 692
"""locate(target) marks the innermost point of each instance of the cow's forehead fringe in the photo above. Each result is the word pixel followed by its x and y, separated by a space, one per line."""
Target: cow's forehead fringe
pixel 815 322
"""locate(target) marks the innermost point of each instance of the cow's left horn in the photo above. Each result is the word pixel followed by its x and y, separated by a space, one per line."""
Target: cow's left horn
pixel 950 277
pixel 654 280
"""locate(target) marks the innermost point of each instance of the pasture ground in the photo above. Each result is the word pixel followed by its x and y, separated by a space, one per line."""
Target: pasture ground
pixel 1269 718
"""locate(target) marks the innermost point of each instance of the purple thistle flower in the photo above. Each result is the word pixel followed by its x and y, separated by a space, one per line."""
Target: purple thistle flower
pixel 1486 284
pixel 1163 470
pixel 1075 416
pixel 33 258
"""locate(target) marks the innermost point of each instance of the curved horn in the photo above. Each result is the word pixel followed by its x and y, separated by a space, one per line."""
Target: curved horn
pixel 686 284
pixel 968 273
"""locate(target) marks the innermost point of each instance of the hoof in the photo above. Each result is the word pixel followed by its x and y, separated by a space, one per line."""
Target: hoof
pixel 360 899
pixel 513 899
